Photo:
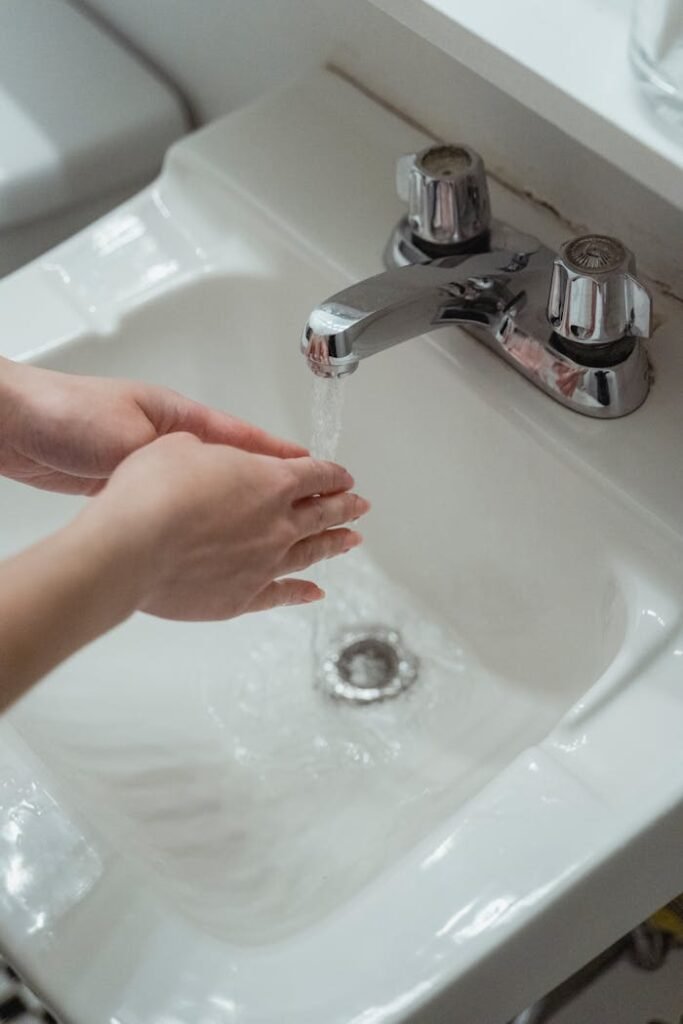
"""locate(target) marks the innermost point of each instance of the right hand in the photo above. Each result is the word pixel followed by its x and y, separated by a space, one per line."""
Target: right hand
pixel 212 529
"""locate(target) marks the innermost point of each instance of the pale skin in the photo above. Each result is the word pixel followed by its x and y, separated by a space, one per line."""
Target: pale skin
pixel 194 515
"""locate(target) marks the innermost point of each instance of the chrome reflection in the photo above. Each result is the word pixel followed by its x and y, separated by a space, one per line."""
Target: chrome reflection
pixel 571 322
pixel 501 298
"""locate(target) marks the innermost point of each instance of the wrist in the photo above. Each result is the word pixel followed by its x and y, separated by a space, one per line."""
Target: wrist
pixel 123 542
pixel 112 557
pixel 12 388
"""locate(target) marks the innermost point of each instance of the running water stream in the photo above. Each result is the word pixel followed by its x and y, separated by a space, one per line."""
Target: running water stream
pixel 327 415
pixel 354 659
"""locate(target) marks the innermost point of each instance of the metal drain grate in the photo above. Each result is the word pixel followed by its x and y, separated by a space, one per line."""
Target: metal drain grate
pixel 368 663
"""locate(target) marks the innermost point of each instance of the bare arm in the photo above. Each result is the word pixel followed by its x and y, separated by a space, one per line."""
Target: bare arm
pixel 58 596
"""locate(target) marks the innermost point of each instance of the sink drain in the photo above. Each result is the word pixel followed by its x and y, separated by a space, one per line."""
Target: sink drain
pixel 367 664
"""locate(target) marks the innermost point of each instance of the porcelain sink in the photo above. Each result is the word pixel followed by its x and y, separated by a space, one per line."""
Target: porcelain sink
pixel 189 829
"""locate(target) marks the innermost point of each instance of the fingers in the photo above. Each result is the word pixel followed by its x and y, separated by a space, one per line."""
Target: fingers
pixel 321 545
pixel 282 592
pixel 316 477
pixel 171 412
pixel 250 438
pixel 313 515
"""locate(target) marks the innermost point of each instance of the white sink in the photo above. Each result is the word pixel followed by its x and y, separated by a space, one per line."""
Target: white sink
pixel 189 829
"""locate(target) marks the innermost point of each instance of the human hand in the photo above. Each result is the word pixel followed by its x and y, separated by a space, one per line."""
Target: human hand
pixel 209 530
pixel 63 432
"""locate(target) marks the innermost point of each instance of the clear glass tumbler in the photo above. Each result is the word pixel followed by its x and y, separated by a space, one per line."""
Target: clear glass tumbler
pixel 656 50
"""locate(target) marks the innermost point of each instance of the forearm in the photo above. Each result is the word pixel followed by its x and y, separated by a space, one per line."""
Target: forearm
pixel 12 377
pixel 15 390
pixel 12 385
pixel 6 366
pixel 58 596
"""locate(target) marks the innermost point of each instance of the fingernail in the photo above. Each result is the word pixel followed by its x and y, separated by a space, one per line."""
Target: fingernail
pixel 310 598
pixel 352 543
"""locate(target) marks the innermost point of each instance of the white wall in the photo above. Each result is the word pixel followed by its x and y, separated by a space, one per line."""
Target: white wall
pixel 222 53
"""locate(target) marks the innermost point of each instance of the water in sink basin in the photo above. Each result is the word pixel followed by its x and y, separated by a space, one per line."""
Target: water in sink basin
pixel 204 751
pixel 260 802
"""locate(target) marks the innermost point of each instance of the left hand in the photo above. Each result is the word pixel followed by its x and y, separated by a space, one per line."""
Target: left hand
pixel 68 433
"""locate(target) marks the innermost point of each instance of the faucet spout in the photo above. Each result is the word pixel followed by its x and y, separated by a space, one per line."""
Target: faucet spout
pixel 401 304
pixel 582 346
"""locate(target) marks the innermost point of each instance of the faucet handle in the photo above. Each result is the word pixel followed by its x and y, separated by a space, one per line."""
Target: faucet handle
pixel 447 195
pixel 595 297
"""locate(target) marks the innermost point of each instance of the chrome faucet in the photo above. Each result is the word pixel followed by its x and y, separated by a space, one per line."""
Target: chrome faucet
pixel 572 322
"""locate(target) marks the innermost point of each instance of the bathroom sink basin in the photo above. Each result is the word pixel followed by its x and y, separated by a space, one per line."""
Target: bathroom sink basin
pixel 190 830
